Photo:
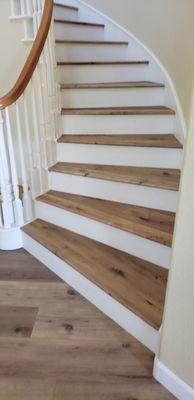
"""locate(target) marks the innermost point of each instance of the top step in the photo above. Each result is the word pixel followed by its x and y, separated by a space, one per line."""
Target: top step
pixel 56 4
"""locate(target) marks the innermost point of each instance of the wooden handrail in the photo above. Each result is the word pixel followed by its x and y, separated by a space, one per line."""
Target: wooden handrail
pixel 26 74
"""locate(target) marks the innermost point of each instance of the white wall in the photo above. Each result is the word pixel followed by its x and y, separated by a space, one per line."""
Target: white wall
pixel 166 27
pixel 177 343
pixel 13 52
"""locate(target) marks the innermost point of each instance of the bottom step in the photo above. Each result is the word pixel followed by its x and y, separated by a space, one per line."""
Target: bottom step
pixel 130 290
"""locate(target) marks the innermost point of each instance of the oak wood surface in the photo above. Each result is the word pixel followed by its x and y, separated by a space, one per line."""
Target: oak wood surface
pixel 163 141
pixel 141 110
pixel 137 284
pixel 152 177
pixel 74 351
pixel 149 223
pixel 71 22
pixel 32 60
pixel 85 63
pixel 112 85
pixel 93 42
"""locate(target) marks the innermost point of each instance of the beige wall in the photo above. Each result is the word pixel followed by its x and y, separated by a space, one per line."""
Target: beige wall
pixel 166 27
pixel 13 52
pixel 177 345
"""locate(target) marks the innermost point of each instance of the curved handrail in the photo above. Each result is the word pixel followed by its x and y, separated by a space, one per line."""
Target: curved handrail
pixel 26 74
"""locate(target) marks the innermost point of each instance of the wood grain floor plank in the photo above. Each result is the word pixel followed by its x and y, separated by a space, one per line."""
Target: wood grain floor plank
pixel 17 321
pixel 18 265
pixel 109 364
pixel 152 177
pixel 135 389
pixel 152 224
pixel 137 284
pixel 161 141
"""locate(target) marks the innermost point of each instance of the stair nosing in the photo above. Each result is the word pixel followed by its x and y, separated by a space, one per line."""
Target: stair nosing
pixel 56 4
pixel 167 241
pixel 93 42
pixel 100 63
pixel 76 140
pixel 112 85
pixel 97 174
pixel 85 23
pixel 150 266
pixel 139 110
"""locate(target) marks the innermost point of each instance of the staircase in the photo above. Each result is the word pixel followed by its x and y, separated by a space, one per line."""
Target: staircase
pixel 106 224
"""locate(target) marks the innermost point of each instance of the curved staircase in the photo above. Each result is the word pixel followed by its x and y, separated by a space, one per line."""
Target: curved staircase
pixel 106 224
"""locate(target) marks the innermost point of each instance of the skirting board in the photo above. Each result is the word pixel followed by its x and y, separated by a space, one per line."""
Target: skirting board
pixel 112 308
pixel 172 382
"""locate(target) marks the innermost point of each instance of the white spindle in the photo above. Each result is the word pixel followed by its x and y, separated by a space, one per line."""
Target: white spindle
pixel 36 130
pixel 30 159
pixel 26 194
pixel 5 188
pixel 23 7
pixel 12 6
pixel 17 204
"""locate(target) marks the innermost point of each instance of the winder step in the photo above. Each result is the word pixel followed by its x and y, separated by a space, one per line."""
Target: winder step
pixel 101 42
pixel 152 177
pixel 152 224
pixel 140 110
pixel 112 85
pixel 162 141
pixel 56 4
pixel 99 63
pixel 136 284
pixel 67 21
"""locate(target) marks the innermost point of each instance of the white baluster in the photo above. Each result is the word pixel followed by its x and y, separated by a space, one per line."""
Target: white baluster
pixel 12 6
pixel 35 17
pixel 23 7
pixel 5 187
pixel 36 137
pixel 30 160
pixel 17 204
pixel 26 198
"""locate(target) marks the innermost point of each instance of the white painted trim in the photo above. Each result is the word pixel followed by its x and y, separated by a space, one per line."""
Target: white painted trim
pixel 10 239
pixel 172 382
pixel 112 308
pixel 155 59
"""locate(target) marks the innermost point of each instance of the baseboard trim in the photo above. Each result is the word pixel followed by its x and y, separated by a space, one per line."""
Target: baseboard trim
pixel 172 382
pixel 112 308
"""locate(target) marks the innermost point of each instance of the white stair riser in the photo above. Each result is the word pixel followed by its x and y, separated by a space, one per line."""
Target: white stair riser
pixel 102 73
pixel 87 52
pixel 65 13
pixel 130 243
pixel 118 124
pixel 112 97
pixel 118 313
pixel 80 32
pixel 115 191
pixel 120 155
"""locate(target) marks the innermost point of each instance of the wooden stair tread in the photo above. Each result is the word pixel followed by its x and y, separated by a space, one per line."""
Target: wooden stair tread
pixel 138 110
pixel 101 42
pixel 152 177
pixel 109 85
pixel 85 63
pixel 137 284
pixel 163 141
pixel 85 23
pixel 149 223
pixel 56 4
